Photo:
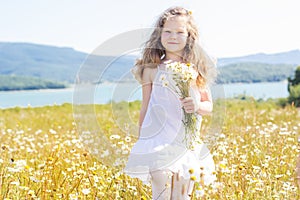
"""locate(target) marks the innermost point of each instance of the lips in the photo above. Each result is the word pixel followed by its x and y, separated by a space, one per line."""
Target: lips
pixel 172 43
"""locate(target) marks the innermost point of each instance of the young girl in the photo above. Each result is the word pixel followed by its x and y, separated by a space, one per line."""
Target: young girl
pixel 160 154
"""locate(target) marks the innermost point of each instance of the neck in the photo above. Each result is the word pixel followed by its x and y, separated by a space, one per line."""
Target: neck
pixel 173 57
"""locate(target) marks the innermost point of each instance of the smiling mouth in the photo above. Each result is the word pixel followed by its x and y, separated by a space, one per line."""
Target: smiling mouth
pixel 172 43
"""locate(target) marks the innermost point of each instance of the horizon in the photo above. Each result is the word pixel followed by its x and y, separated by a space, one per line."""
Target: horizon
pixel 69 47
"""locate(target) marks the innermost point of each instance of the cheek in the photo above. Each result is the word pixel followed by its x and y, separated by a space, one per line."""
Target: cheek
pixel 164 36
pixel 163 39
pixel 183 40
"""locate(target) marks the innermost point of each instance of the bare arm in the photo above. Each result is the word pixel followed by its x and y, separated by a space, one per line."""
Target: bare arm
pixel 203 107
pixel 147 81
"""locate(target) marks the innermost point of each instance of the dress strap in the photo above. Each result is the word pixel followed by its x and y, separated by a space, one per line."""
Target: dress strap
pixel 161 67
pixel 158 67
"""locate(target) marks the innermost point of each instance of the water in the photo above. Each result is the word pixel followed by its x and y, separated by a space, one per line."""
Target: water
pixel 104 93
pixel 258 90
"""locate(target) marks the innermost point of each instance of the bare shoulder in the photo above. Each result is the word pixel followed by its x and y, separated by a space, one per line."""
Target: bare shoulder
pixel 149 74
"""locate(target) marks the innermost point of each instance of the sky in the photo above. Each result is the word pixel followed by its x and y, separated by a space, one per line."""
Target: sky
pixel 228 28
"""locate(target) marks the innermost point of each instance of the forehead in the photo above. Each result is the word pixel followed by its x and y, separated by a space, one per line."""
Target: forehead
pixel 175 22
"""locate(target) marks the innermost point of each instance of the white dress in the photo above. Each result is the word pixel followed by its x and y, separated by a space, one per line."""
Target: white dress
pixel 161 143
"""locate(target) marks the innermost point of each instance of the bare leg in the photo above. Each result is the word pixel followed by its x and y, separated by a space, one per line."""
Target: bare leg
pixel 190 188
pixel 182 189
pixel 161 185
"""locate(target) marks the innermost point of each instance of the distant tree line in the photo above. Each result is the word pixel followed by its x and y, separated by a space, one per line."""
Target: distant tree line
pixel 254 72
pixel 294 88
pixel 233 73
pixel 11 82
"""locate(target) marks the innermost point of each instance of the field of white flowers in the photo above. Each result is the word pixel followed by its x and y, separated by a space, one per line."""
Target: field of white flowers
pixel 42 157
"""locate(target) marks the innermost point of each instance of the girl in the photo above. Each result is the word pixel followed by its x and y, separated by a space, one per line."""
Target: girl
pixel 160 155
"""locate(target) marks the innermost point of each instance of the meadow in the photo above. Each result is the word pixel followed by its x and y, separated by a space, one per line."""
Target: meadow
pixel 42 155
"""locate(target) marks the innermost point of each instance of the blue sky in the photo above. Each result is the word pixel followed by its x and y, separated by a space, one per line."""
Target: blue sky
pixel 227 28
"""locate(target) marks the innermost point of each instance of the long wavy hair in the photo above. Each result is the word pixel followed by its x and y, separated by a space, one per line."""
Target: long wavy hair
pixel 153 50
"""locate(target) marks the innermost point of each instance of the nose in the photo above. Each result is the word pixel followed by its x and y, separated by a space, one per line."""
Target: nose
pixel 173 35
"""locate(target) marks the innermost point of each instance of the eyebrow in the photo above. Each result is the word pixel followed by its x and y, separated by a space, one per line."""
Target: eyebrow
pixel 177 29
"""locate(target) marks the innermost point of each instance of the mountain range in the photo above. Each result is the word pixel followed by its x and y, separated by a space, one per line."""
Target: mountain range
pixel 289 57
pixel 64 64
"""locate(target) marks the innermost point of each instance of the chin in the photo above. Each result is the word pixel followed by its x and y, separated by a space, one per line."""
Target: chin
pixel 179 52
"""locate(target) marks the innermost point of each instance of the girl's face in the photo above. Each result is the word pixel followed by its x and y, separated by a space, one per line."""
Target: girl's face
pixel 174 35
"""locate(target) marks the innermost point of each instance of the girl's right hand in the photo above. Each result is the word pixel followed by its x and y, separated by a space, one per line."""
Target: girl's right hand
pixel 189 104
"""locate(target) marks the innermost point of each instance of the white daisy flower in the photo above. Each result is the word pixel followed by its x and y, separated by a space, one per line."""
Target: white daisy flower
pixel 162 77
pixel 165 84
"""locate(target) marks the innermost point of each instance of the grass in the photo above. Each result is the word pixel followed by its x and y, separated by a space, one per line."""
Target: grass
pixel 42 156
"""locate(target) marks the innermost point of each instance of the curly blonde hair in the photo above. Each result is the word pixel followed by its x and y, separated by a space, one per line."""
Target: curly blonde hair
pixel 154 51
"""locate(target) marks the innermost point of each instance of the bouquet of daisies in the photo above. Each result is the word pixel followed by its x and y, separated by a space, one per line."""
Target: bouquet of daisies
pixel 183 74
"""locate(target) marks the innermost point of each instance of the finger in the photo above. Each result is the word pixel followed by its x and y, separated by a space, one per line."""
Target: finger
pixel 187 101
pixel 185 98
pixel 190 107
pixel 187 107
pixel 188 111
pixel 184 104
pixel 188 98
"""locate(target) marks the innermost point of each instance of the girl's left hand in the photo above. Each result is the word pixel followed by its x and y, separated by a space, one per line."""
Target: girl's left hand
pixel 189 104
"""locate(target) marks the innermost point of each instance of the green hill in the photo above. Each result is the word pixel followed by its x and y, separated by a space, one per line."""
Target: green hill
pixel 11 82
pixel 255 72
pixel 42 61
pixel 61 65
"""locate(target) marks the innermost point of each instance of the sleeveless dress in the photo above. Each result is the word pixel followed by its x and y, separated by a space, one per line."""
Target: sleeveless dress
pixel 161 144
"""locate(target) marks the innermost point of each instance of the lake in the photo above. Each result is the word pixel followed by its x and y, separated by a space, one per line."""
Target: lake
pixel 106 92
